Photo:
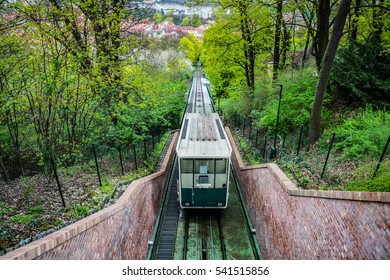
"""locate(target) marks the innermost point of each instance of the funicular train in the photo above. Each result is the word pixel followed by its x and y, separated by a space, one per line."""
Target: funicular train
pixel 203 152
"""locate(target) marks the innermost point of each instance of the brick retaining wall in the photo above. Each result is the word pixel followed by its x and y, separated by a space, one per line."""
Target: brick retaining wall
pixel 309 224
pixel 120 231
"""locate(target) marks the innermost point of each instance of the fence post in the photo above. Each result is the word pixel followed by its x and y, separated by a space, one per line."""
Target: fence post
pixel 265 146
pixel 381 158
pixel 273 149
pixel 58 181
pixel 120 158
pixel 257 136
pixel 135 157
pixel 284 139
pixel 97 165
pixel 327 156
pixel 145 152
pixel 299 141
pixel 153 139
pixel 243 131
pixel 250 130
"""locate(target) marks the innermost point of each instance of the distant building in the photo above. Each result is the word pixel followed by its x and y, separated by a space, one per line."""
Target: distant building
pixel 164 29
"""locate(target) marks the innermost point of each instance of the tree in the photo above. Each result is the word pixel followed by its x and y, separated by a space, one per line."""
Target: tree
pixel 239 38
pixel 278 31
pixel 322 35
pixel 185 21
pixel 315 121
pixel 360 73
pixel 91 31
pixel 191 47
pixel 158 17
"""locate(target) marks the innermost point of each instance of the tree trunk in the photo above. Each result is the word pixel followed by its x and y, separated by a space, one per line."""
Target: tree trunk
pixel 249 49
pixel 326 66
pixel 377 18
pixel 6 176
pixel 355 20
pixel 322 35
pixel 278 31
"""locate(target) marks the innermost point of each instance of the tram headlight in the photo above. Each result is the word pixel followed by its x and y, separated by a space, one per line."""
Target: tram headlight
pixel 187 204
pixel 219 204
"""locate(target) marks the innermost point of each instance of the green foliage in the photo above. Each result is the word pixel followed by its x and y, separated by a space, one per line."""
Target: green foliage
pixel 364 182
pixel 191 47
pixel 365 135
pixel 297 99
pixel 360 73
pixel 228 42
pixel 23 219
pixel 6 235
pixel 106 188
pixel 155 155
pixel 185 21
pixel 250 156
pixel 77 211
pixel 35 210
pixel 28 187
pixel 4 209
pixel 158 17
pixel 30 218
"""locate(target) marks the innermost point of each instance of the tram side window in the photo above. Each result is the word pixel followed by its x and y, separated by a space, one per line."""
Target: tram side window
pixel 186 170
pixel 186 165
pixel 220 166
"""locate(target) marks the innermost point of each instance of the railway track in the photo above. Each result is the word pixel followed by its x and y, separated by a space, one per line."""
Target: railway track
pixel 206 233
pixel 164 243
pixel 215 234
pixel 202 234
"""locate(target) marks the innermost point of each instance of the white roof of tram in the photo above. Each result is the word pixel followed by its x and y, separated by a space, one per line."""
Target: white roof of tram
pixel 202 136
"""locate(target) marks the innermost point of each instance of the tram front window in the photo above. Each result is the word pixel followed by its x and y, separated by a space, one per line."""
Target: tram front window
pixel 203 173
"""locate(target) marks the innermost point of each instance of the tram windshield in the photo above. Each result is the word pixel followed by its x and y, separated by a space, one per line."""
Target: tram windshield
pixel 203 173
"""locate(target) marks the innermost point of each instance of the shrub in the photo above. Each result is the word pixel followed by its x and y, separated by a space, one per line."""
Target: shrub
pixel 77 211
pixel 296 104
pixel 365 183
pixel 365 135
pixel 4 208
pixel 360 73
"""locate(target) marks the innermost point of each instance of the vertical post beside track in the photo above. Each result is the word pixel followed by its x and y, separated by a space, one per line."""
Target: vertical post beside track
pixel 327 156
pixel 97 165
pixel 58 181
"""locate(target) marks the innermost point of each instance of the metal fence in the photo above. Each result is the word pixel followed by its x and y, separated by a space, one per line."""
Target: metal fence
pixel 322 159
pixel 101 161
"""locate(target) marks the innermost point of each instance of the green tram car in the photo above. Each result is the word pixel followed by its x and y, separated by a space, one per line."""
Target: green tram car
pixel 203 154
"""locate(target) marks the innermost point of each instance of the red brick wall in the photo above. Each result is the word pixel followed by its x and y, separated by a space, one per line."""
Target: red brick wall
pixel 298 224
pixel 123 235
pixel 121 231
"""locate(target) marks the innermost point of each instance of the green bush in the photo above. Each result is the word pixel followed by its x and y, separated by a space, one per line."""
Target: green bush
pixel 365 135
pixel 77 211
pixel 296 104
pixel 360 73
pixel 4 208
pixel 23 219
pixel 365 183
pixel 35 210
